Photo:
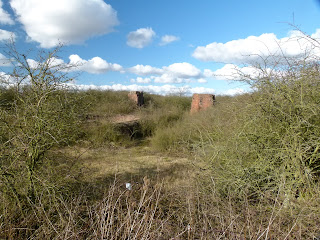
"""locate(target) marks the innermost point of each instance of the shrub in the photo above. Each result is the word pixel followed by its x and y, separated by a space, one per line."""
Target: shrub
pixel 37 114
pixel 276 145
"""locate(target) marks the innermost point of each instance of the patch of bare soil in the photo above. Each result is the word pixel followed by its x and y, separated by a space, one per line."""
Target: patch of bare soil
pixel 125 118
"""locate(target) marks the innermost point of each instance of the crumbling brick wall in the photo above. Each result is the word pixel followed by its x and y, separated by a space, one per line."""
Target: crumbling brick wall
pixel 201 102
pixel 137 97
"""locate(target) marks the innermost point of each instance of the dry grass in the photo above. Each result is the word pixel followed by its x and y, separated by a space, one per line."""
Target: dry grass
pixel 131 164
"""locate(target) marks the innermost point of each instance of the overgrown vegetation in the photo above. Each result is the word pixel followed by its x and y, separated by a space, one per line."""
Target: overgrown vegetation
pixel 108 107
pixel 248 168
pixel 37 114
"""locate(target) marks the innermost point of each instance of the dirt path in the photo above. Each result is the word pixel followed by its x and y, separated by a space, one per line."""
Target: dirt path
pixel 125 118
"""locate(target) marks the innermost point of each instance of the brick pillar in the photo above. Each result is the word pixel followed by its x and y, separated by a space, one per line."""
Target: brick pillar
pixel 201 102
pixel 137 97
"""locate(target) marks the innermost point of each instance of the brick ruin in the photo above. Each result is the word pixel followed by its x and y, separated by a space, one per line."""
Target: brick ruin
pixel 201 102
pixel 137 97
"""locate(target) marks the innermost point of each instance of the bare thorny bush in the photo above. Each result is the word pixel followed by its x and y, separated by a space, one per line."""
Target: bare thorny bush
pixel 286 128
pixel 39 116
pixel 276 158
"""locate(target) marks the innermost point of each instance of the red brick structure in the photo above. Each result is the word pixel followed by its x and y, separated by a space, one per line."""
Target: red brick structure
pixel 201 102
pixel 137 97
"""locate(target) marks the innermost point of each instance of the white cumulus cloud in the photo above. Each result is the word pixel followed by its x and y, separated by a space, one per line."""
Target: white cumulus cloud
pixel 145 70
pixel 141 80
pixel 232 72
pixel 4 61
pixel 202 80
pixel 202 90
pixel 53 63
pixel 166 39
pixel 6 80
pixel 169 78
pixel 178 73
pixel 5 17
pixel 233 92
pixel 6 35
pixel 257 48
pixel 70 22
pixel 94 65
pixel 183 70
pixel 33 63
pixel 140 38
pixel 174 73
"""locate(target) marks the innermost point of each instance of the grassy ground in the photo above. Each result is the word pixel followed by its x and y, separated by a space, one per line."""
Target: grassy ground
pixel 131 163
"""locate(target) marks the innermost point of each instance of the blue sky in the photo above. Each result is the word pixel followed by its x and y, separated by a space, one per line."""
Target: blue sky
pixel 158 46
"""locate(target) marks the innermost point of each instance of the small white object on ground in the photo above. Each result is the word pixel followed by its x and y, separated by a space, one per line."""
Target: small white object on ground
pixel 128 186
